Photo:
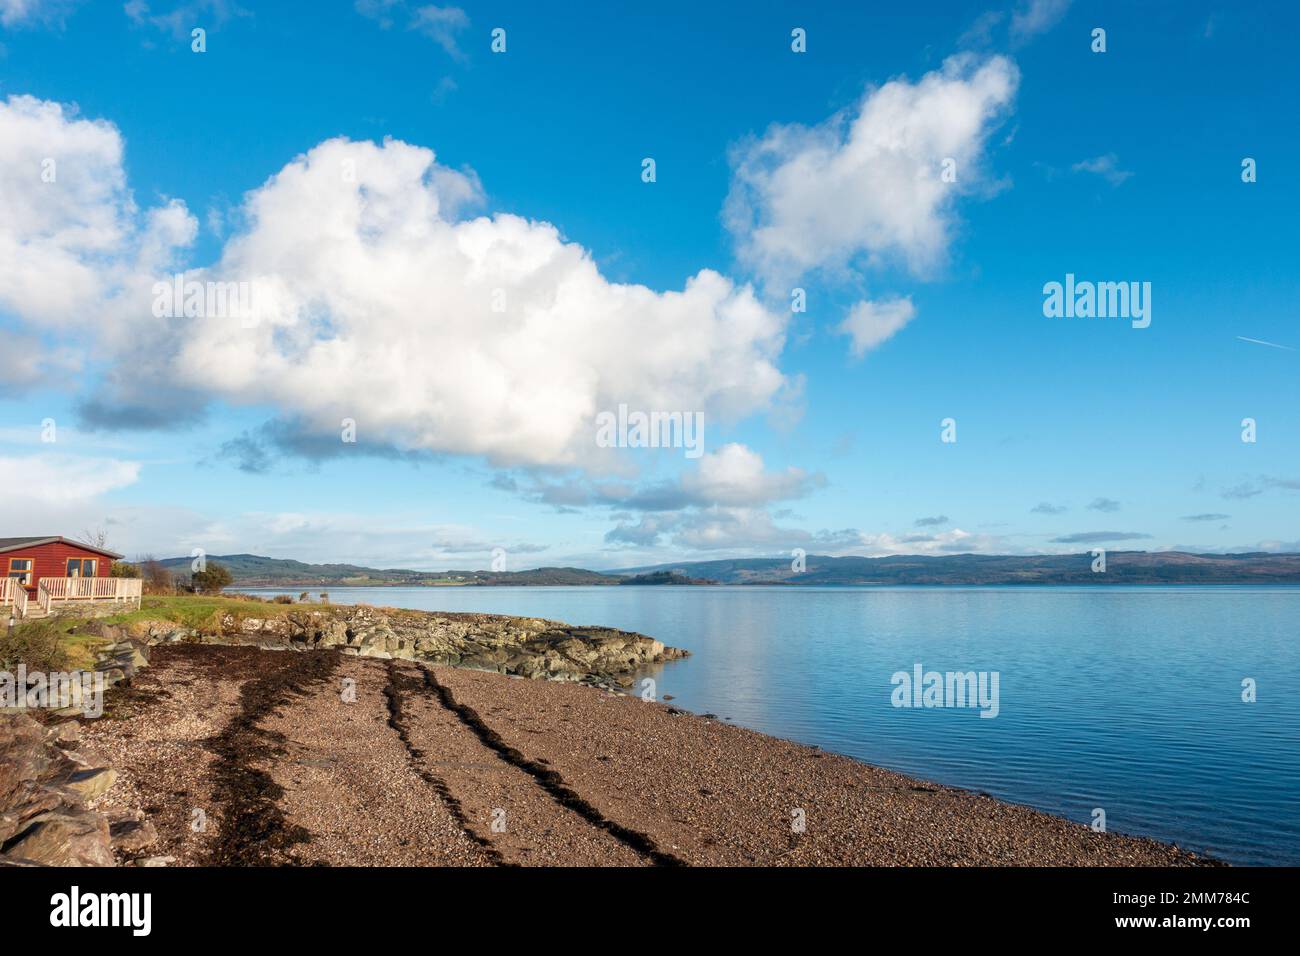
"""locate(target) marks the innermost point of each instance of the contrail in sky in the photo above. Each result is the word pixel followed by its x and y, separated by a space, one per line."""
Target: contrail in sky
pixel 1272 345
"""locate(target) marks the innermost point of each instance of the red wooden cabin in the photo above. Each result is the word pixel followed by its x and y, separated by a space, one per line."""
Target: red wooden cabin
pixel 41 572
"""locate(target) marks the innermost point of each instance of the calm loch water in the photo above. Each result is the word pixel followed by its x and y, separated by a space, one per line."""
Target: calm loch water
pixel 1127 699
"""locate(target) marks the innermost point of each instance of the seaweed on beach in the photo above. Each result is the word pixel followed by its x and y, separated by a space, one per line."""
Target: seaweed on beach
pixel 254 831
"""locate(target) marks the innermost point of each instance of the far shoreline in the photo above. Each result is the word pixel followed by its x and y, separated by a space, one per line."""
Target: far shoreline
pixel 783 585
pixel 1096 568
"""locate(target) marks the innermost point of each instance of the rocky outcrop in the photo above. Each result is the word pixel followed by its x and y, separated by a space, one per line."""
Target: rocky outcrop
pixel 48 783
pixel 120 660
pixel 524 647
pixel 80 692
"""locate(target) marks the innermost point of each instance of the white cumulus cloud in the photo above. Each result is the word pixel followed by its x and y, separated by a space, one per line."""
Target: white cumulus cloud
pixel 736 475
pixel 72 239
pixel 488 336
pixel 866 184
pixel 65 205
pixel 374 300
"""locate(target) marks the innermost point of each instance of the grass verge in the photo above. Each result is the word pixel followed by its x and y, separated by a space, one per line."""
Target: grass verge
pixel 65 642
pixel 202 611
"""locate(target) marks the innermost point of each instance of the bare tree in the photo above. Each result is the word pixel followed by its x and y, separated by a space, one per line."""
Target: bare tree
pixel 96 538
pixel 157 579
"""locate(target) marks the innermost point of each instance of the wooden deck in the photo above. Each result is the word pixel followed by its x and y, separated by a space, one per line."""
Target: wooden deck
pixel 52 593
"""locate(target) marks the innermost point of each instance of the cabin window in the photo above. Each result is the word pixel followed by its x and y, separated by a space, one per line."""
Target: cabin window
pixel 81 567
pixel 21 568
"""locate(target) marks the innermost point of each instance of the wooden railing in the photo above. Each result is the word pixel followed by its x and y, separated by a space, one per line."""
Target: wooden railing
pixel 13 593
pixel 60 590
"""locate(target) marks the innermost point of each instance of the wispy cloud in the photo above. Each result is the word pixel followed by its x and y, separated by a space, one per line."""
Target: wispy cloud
pixel 1107 505
pixel 1033 17
pixel 61 479
pixel 439 24
pixel 1107 167
pixel 1029 19
pixel 931 522
pixel 732 476
pixel 181 18
pixel 50 13
pixel 869 324
pixel 1242 491
pixel 1250 489
pixel 753 530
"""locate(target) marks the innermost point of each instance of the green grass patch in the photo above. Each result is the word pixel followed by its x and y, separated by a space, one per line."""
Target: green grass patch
pixel 200 611
pixel 81 649
pixel 49 645
pixel 64 642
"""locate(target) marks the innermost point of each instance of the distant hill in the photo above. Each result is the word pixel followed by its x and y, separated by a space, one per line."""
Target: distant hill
pixel 252 570
pixel 1122 567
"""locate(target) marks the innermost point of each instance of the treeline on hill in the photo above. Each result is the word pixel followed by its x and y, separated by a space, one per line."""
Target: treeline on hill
pixel 211 578
pixel 664 577
pixel 252 570
pixel 1122 567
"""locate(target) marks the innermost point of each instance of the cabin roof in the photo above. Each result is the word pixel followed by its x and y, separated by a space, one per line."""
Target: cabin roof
pixel 17 544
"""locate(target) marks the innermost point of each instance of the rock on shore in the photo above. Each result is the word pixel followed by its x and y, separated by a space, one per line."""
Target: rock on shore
pixel 519 646
pixel 48 786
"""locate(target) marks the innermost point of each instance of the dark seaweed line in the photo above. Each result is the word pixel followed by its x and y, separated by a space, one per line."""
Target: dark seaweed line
pixel 253 826
pixel 416 758
pixel 550 780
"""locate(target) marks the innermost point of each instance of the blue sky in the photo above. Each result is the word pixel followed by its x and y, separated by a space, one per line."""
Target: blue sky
pixel 773 170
